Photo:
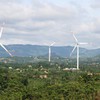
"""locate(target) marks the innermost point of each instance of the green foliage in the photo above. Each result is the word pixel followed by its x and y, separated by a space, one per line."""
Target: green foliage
pixel 25 83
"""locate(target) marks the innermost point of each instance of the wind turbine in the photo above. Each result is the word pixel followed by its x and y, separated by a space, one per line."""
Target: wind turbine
pixel 2 44
pixel 50 50
pixel 77 46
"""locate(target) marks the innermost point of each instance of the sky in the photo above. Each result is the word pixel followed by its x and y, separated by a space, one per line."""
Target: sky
pixel 41 22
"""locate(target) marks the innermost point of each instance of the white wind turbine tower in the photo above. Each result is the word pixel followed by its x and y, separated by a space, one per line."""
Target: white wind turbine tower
pixel 1 30
pixel 77 46
pixel 50 50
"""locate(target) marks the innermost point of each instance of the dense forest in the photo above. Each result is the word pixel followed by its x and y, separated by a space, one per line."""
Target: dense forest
pixel 49 81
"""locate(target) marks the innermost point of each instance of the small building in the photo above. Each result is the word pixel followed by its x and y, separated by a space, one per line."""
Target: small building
pixel 43 76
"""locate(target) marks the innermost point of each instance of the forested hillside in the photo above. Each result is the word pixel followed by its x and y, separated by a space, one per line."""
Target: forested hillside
pixel 37 50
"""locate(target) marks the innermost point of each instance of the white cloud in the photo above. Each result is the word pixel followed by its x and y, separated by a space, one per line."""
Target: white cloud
pixel 38 22
pixel 95 4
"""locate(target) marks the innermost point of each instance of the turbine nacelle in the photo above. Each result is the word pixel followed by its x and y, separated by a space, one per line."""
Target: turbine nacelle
pixel 49 44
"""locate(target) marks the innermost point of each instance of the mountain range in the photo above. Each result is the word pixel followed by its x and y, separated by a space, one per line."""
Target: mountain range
pixel 21 50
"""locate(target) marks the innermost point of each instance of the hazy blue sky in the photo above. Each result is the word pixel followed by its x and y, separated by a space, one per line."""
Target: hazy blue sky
pixel 44 21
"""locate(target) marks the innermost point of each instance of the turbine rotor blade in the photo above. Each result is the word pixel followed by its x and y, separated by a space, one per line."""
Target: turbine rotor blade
pixel 1 30
pixel 83 43
pixel 52 44
pixel 75 38
pixel 6 50
pixel 73 50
